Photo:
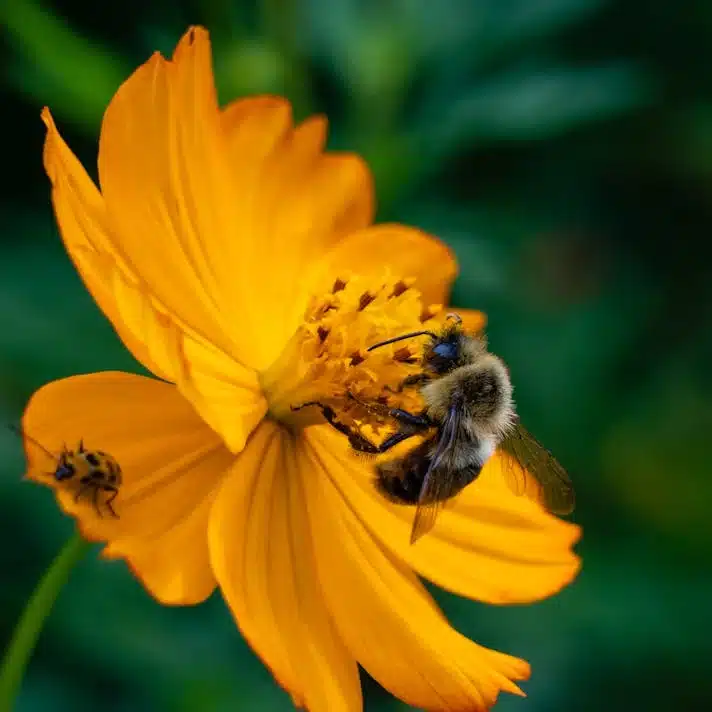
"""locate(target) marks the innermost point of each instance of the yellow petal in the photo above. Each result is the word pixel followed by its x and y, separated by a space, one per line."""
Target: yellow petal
pixel 254 127
pixel 171 462
pixel 167 182
pixel 488 544
pixel 384 614
pixel 408 252
pixel 263 556
pixel 84 226
pixel 294 202
pixel 226 393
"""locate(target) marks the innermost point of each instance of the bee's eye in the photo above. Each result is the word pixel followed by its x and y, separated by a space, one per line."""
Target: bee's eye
pixel 446 350
pixel 92 459
pixel 64 471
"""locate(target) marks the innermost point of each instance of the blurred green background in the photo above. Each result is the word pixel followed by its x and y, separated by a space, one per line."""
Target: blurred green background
pixel 564 149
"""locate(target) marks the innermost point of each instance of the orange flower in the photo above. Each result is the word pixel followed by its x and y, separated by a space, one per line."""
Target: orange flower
pixel 238 263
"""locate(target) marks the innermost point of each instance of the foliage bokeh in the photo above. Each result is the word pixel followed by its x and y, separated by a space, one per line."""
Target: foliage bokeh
pixel 563 148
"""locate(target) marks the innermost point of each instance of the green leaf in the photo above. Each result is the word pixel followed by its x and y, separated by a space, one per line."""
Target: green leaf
pixel 56 66
pixel 536 102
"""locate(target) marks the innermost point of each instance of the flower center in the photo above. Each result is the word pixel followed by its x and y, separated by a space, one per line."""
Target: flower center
pixel 327 359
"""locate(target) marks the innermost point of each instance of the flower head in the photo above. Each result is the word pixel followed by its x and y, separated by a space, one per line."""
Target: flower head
pixel 239 264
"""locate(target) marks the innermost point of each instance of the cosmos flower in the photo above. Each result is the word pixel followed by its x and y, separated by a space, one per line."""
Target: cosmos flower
pixel 239 264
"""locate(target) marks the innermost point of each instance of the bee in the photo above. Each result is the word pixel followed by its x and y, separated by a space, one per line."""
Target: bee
pixel 88 472
pixel 469 414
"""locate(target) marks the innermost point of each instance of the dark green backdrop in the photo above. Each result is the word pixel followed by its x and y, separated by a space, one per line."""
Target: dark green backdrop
pixel 564 149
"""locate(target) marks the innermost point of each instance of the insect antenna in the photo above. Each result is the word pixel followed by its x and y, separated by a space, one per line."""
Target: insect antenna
pixel 22 434
pixel 431 334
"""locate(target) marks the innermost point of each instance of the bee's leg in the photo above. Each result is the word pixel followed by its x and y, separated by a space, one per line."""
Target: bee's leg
pixel 413 423
pixel 393 440
pixel 419 421
pixel 373 407
pixel 114 493
pixel 356 440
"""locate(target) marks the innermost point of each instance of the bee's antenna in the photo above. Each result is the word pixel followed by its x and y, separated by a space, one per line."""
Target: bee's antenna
pixel 23 435
pixel 431 334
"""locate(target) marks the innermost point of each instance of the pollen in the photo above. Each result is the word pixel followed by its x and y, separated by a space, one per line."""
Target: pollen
pixel 327 359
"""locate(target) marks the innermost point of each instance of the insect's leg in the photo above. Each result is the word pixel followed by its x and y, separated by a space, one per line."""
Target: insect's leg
pixel 80 492
pixel 114 493
pixel 393 440
pixel 362 444
pixel 356 440
pixel 95 500
pixel 329 416
pixel 306 405
pixel 419 421
pixel 374 407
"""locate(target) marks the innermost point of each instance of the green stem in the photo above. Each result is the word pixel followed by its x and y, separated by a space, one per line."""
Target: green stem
pixel 24 638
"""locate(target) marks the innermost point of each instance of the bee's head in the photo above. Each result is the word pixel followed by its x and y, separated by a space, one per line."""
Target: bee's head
pixel 447 350
pixel 444 353
pixel 451 349
pixel 65 467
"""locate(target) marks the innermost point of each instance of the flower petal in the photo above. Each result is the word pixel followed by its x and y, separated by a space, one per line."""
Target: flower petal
pixel 385 615
pixel 226 394
pixel 254 127
pixel 408 252
pixel 84 226
pixel 171 466
pixel 472 320
pixel 294 202
pixel 488 544
pixel 262 553
pixel 167 182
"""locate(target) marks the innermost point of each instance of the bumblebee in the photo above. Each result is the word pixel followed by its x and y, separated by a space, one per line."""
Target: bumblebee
pixel 469 414
pixel 90 473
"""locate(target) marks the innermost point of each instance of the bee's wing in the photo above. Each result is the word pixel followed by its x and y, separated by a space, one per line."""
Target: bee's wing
pixel 430 499
pixel 529 457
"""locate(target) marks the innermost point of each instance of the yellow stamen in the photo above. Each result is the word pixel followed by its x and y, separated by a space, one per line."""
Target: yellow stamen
pixel 327 359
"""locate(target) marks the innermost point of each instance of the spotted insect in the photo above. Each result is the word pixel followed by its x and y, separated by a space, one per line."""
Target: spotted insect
pixel 90 473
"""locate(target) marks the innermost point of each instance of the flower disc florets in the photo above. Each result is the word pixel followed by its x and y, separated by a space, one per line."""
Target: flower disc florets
pixel 327 360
